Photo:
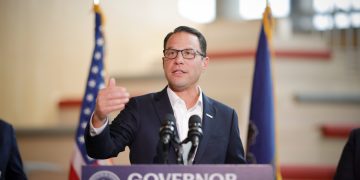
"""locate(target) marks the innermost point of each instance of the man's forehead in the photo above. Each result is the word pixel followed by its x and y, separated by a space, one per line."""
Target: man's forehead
pixel 184 39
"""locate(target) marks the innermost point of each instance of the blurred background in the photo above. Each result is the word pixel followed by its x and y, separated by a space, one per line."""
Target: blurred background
pixel 46 49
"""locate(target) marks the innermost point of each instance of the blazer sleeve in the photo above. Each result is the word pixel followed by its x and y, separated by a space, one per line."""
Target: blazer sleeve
pixel 14 167
pixel 235 152
pixel 115 137
pixel 350 158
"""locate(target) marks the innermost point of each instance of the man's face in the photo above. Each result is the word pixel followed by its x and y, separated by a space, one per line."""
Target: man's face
pixel 182 73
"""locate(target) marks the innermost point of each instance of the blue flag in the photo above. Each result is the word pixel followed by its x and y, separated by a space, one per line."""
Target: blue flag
pixel 261 134
pixel 262 105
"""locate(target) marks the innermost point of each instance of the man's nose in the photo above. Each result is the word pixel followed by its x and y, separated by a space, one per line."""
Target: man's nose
pixel 179 58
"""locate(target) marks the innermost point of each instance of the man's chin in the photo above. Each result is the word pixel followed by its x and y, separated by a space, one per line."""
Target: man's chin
pixel 177 87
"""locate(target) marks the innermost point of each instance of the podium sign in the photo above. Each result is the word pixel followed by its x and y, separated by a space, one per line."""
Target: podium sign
pixel 178 172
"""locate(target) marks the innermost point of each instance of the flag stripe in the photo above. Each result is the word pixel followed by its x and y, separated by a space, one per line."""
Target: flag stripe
pixel 77 161
pixel 72 174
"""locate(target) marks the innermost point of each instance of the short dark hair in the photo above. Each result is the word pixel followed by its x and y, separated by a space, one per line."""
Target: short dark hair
pixel 190 30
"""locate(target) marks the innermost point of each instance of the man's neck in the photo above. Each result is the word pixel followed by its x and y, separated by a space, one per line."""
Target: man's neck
pixel 190 96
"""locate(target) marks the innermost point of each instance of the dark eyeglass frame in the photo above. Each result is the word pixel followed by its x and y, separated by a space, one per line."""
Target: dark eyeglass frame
pixel 182 53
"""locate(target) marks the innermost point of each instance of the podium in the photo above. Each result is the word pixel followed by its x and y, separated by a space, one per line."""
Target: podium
pixel 179 172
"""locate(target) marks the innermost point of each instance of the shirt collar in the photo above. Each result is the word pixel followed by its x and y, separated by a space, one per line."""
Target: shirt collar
pixel 174 98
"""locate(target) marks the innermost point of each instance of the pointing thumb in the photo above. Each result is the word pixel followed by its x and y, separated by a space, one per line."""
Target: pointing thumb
pixel 112 83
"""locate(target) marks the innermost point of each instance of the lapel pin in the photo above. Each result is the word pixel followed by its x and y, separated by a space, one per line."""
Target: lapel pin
pixel 210 116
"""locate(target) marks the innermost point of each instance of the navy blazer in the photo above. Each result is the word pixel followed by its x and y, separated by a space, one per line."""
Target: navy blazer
pixel 349 164
pixel 10 161
pixel 137 126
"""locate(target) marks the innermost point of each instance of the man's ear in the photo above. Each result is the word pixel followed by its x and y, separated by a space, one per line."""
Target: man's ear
pixel 205 62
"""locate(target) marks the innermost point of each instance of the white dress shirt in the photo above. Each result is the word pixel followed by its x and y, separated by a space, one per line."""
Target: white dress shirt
pixel 182 114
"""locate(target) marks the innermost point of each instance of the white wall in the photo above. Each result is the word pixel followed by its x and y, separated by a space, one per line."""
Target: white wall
pixel 46 47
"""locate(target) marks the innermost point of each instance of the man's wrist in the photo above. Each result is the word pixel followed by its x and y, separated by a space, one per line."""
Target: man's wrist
pixel 96 126
pixel 98 121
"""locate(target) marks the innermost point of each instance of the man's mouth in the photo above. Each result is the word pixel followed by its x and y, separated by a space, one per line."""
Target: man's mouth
pixel 178 71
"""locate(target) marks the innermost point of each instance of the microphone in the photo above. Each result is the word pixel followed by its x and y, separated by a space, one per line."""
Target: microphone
pixel 195 131
pixel 194 134
pixel 166 134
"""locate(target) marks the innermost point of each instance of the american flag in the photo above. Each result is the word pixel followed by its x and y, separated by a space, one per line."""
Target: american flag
pixel 95 82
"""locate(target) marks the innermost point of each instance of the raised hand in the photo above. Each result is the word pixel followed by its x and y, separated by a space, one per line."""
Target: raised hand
pixel 111 98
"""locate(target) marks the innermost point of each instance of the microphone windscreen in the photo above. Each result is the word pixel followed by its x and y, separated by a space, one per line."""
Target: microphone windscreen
pixel 195 120
pixel 169 118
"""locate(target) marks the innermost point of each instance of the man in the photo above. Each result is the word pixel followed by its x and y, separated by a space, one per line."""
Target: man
pixel 138 124
pixel 349 164
pixel 10 161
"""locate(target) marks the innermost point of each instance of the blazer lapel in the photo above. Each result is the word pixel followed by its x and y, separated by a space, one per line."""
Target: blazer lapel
pixel 162 104
pixel 163 107
pixel 209 113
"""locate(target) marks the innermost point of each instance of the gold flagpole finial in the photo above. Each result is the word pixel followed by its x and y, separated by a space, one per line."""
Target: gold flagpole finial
pixel 268 21
pixel 97 9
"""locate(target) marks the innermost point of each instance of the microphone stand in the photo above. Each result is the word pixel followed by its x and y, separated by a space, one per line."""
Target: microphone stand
pixel 179 150
pixel 165 153
pixel 191 155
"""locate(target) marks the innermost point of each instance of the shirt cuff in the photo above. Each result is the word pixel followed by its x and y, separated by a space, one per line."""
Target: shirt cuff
pixel 96 131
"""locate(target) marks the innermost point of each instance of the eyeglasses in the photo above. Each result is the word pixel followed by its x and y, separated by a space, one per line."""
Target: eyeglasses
pixel 186 53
